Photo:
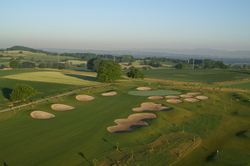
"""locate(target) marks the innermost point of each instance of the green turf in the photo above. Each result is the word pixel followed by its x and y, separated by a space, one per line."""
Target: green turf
pixel 154 93
pixel 206 76
pixel 77 137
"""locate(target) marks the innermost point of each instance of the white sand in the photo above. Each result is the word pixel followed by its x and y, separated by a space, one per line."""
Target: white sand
pixel 109 94
pixel 202 97
pixel 41 115
pixel 155 97
pixel 84 98
pixel 192 100
pixel 150 106
pixel 132 120
pixel 187 96
pixel 143 88
pixel 174 101
pixel 62 107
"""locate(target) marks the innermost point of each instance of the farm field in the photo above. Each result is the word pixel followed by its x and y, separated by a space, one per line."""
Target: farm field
pixel 37 56
pixel 191 133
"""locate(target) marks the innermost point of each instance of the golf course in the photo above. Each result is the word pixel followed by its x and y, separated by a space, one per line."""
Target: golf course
pixel 172 117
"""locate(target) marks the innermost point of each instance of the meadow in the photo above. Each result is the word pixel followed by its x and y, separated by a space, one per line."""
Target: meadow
pixel 189 134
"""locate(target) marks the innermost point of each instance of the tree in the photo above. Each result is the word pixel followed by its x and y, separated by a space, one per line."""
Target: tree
pixel 14 64
pixel 180 66
pixel 42 65
pixel 22 92
pixel 95 63
pixel 109 72
pixel 28 65
pixel 135 73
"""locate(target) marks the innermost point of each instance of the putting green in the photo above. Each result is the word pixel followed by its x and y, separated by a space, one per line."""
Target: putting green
pixel 154 93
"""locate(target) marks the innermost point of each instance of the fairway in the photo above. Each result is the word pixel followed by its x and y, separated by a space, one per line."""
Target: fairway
pixel 79 136
pixel 199 76
pixel 55 77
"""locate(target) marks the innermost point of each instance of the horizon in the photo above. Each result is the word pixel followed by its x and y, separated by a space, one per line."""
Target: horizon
pixel 126 25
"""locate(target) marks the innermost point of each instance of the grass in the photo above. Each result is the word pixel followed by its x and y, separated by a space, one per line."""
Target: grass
pixel 55 77
pixel 200 76
pixel 37 56
pixel 78 137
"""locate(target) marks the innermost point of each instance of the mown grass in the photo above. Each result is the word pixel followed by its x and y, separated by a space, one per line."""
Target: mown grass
pixel 79 136
pixel 55 77
pixel 200 76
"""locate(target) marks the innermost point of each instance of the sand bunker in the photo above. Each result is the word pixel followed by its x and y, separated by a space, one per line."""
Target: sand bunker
pixel 192 100
pixel 84 98
pixel 187 96
pixel 143 88
pixel 194 93
pixel 41 115
pixel 150 106
pixel 134 120
pixel 174 101
pixel 109 94
pixel 202 97
pixel 156 97
pixel 172 97
pixel 62 107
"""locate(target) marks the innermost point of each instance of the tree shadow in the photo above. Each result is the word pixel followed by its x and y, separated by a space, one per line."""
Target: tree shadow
pixel 89 78
pixel 6 92
pixel 82 155
pixel 4 163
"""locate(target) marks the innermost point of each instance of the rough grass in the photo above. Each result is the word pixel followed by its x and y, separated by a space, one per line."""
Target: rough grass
pixel 55 77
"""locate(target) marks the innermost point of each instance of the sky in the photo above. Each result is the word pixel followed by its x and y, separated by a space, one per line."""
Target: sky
pixel 125 24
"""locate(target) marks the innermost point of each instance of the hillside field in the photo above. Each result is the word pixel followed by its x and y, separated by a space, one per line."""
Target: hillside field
pixel 188 134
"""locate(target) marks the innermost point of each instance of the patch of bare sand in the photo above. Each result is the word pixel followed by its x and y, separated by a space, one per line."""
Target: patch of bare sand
pixel 176 101
pixel 133 120
pixel 143 88
pixel 192 100
pixel 62 107
pixel 84 98
pixel 155 97
pixel 187 96
pixel 41 115
pixel 172 97
pixel 202 97
pixel 194 93
pixel 150 106
pixel 109 94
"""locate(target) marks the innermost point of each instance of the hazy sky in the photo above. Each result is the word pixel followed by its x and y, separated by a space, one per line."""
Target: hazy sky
pixel 125 24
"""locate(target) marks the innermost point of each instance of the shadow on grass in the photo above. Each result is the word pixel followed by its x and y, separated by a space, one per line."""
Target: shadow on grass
pixel 6 92
pixel 4 163
pixel 211 157
pixel 89 78
pixel 82 155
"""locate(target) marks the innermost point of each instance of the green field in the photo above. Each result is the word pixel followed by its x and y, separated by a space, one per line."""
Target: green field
pixel 204 76
pixel 189 134
pixel 37 56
